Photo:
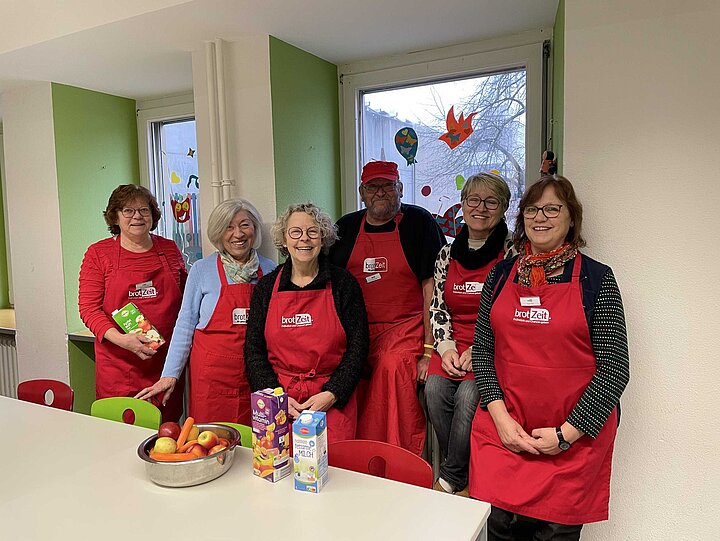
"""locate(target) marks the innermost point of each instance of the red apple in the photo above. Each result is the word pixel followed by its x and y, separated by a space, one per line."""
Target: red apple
pixel 165 445
pixel 223 441
pixel 197 450
pixel 208 439
pixel 169 430
pixel 219 447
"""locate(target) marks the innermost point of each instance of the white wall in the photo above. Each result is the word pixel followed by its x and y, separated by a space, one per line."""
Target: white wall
pixel 250 141
pixel 33 216
pixel 642 142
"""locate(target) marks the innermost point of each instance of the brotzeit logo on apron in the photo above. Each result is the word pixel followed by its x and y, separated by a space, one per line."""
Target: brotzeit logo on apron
pixel 146 293
pixel 298 320
pixel 375 264
pixel 240 316
pixel 468 288
pixel 532 315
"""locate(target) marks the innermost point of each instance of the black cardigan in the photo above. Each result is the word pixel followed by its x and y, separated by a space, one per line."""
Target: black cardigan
pixel 350 307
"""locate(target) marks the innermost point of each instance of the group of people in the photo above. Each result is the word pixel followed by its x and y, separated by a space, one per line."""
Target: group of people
pixel 518 338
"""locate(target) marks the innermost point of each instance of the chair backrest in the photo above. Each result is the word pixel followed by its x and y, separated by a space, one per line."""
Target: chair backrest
pixel 245 433
pixel 127 410
pixel 48 392
pixel 381 460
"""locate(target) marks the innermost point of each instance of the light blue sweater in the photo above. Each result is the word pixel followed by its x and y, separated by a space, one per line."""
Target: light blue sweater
pixel 202 291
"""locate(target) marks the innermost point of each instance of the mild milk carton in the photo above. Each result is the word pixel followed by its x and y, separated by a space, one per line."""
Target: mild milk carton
pixel 310 451
pixel 270 434
pixel 132 321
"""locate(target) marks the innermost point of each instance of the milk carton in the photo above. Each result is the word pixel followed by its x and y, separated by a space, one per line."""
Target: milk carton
pixel 132 321
pixel 310 452
pixel 270 434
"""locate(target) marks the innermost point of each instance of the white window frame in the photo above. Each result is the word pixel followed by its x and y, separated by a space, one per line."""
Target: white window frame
pixel 382 75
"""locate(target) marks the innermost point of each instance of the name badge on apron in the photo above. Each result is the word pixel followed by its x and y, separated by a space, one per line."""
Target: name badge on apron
pixel 529 301
pixel 373 278
pixel 240 316
pixel 144 285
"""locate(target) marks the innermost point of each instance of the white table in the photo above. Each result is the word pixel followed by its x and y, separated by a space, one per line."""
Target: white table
pixel 70 476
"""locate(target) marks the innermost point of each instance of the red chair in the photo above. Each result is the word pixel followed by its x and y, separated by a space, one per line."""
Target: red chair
pixel 48 392
pixel 381 460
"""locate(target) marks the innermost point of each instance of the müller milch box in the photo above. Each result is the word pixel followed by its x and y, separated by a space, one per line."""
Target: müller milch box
pixel 310 453
pixel 270 434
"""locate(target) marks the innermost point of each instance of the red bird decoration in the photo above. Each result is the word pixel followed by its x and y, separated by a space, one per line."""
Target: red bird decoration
pixel 457 130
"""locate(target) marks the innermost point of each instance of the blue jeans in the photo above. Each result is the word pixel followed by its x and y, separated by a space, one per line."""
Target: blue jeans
pixel 451 407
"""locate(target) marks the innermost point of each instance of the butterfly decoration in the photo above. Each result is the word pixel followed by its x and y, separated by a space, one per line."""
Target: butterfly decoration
pixel 406 141
pixel 450 222
pixel 457 129
pixel 181 210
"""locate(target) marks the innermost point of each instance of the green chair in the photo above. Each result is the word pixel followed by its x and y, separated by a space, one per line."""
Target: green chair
pixel 245 433
pixel 116 409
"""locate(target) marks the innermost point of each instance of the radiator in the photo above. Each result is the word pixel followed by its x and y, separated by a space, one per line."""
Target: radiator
pixel 8 366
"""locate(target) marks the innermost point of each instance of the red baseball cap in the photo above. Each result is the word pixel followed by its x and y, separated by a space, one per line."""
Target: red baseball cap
pixel 375 170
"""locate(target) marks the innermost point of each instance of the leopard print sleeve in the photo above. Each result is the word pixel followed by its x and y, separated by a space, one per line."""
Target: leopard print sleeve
pixel 439 314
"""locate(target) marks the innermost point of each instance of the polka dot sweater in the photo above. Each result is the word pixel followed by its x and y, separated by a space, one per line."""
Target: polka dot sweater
pixel 606 321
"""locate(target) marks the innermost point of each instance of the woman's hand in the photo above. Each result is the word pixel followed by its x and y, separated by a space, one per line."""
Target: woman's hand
pixel 166 385
pixel 422 368
pixel 136 343
pixel 466 360
pixel 294 407
pixel 546 440
pixel 451 364
pixel 512 435
pixel 322 401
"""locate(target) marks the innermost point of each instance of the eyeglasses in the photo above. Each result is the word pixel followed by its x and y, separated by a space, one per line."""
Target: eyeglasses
pixel 129 212
pixel 297 232
pixel 550 211
pixel 372 189
pixel 491 203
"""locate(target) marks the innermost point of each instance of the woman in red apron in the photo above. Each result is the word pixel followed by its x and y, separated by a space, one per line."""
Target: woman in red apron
pixel 308 330
pixel 450 392
pixel 543 446
pixel 210 330
pixel 132 266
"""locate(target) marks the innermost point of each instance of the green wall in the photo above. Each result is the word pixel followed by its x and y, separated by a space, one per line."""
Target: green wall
pixel 558 103
pixel 306 128
pixel 96 150
pixel 4 283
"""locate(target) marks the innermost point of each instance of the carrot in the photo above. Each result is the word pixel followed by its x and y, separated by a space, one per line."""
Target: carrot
pixel 186 446
pixel 185 432
pixel 172 457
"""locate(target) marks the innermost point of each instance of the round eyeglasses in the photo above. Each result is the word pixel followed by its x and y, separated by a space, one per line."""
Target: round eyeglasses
pixel 550 211
pixel 491 203
pixel 129 212
pixel 297 232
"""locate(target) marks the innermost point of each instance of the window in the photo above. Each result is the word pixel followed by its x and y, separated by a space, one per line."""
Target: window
pixel 169 142
pixel 502 89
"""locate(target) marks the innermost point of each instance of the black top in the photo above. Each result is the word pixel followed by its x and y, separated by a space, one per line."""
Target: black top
pixel 420 236
pixel 350 308
pixel 606 322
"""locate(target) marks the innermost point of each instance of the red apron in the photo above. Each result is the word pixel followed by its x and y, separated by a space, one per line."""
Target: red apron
pixel 118 372
pixel 462 298
pixel 544 361
pixel 389 409
pixel 219 389
pixel 305 344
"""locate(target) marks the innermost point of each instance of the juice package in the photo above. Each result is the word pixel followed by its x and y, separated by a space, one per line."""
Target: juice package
pixel 132 321
pixel 310 451
pixel 270 434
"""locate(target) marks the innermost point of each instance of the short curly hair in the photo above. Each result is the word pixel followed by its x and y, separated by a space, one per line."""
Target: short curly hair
pixel 121 196
pixel 328 230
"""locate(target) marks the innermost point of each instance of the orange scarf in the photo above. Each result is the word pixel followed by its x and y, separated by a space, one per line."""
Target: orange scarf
pixel 534 268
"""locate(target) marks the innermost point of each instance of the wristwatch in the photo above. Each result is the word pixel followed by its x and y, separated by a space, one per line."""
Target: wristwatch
pixel 562 442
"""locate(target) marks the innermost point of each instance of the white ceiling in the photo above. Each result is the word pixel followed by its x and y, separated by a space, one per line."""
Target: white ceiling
pixel 142 50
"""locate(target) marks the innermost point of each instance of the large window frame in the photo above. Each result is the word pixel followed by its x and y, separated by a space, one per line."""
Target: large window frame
pixel 380 76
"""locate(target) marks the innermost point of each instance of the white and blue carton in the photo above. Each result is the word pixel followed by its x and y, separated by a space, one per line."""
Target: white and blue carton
pixel 310 451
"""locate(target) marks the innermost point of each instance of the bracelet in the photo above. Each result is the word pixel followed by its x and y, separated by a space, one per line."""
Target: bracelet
pixel 428 346
pixel 427 354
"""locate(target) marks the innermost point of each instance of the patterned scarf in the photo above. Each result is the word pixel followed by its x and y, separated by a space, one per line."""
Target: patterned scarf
pixel 533 269
pixel 240 273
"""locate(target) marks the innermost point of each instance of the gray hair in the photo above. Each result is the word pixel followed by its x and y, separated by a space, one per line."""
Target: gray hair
pixel 328 230
pixel 495 183
pixel 223 214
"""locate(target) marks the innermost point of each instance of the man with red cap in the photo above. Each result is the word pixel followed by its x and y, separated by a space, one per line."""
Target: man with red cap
pixel 391 249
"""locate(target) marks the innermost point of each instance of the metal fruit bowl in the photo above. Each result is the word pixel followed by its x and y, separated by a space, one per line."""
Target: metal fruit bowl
pixel 191 472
